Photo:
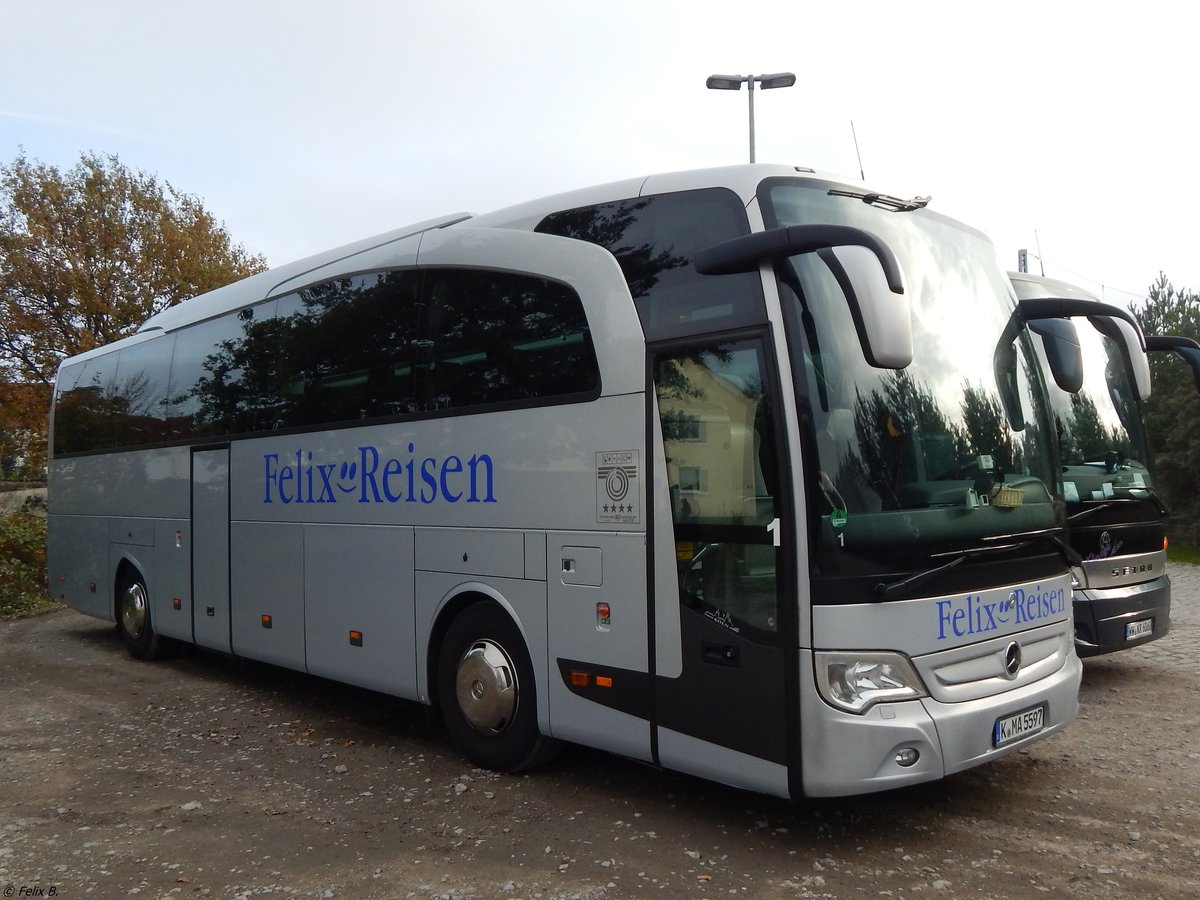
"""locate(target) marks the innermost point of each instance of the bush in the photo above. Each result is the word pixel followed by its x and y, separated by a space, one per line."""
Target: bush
pixel 22 563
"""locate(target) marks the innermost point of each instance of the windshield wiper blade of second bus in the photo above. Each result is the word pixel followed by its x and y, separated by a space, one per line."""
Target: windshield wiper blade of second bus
pixel 1026 538
pixel 1084 513
pixel 887 201
pixel 1150 494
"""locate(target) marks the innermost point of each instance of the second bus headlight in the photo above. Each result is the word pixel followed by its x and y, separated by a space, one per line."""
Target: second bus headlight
pixel 857 681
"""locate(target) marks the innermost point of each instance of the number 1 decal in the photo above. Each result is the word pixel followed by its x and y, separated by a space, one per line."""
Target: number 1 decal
pixel 774 529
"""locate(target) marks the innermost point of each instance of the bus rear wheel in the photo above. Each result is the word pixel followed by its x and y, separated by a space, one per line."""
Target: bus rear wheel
pixel 487 694
pixel 135 621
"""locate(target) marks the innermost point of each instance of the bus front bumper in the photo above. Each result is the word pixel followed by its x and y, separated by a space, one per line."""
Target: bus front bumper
pixel 1108 619
pixel 847 754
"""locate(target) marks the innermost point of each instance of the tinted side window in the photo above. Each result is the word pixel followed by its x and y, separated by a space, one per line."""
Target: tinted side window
pixel 140 392
pixel 64 413
pixel 371 346
pixel 346 349
pixel 219 376
pixel 653 238
pixel 83 418
pixel 501 337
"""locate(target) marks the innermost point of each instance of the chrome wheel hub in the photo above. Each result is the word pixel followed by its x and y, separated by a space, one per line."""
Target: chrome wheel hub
pixel 133 610
pixel 486 687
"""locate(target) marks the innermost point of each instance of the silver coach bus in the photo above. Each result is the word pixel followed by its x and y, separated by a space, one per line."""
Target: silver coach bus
pixel 1115 518
pixel 747 473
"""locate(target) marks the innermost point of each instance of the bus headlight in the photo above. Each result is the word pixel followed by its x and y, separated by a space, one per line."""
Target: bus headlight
pixel 857 681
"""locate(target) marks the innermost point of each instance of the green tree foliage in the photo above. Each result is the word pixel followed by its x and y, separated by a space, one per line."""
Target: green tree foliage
pixel 86 255
pixel 22 562
pixel 1173 412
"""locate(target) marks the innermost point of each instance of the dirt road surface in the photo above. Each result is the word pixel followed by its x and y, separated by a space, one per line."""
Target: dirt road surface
pixel 206 777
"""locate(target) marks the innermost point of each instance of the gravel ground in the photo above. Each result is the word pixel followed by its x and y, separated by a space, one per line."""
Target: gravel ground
pixel 204 776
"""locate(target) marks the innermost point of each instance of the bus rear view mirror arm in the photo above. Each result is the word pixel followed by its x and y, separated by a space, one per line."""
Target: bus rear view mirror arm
pixel 865 268
pixel 1032 308
pixel 747 253
pixel 1183 347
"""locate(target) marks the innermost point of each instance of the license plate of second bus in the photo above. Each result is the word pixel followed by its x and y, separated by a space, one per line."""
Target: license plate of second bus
pixel 1139 629
pixel 1018 725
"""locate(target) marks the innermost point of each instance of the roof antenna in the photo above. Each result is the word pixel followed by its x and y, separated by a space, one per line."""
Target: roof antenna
pixel 1041 262
pixel 854 134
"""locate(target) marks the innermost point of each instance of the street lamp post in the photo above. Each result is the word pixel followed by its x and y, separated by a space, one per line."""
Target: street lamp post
pixel 735 82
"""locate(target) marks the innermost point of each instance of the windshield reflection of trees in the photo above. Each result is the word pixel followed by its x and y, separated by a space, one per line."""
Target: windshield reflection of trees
pixel 1084 437
pixel 1088 434
pixel 903 442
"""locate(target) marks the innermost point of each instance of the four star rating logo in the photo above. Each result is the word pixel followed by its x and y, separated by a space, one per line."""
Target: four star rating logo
pixel 617 472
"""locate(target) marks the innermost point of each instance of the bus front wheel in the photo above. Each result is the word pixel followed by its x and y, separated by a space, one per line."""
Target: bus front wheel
pixel 486 692
pixel 135 621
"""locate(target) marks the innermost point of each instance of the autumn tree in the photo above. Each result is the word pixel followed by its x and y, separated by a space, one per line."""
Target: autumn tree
pixel 85 256
pixel 1173 411
pixel 23 408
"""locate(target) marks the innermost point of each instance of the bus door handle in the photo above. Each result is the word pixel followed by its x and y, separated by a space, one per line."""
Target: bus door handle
pixel 720 654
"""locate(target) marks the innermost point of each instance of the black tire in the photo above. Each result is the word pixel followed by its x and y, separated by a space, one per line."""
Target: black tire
pixel 487 693
pixel 135 622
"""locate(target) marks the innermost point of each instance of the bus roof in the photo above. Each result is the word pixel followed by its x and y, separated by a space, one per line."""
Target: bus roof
pixel 741 179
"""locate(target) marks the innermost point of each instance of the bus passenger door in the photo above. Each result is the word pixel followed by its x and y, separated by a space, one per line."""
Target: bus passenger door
pixel 210 547
pixel 730 711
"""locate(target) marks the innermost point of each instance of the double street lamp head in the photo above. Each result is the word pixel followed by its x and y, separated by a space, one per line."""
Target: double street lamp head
pixel 735 82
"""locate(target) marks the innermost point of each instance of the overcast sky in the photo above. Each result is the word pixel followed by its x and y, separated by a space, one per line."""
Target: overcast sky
pixel 303 125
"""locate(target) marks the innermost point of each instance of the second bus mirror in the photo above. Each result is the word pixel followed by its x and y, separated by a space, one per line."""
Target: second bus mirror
pixel 1061 345
pixel 1120 330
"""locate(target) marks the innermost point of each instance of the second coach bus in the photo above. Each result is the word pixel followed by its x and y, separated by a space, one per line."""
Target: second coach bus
pixel 747 473
pixel 1115 518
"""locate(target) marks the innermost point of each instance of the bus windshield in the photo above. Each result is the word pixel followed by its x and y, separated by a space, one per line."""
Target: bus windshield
pixel 1101 436
pixel 953 452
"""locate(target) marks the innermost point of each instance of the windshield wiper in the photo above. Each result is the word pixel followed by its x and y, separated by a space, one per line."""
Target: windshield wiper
pixel 887 201
pixel 1084 513
pixel 1153 495
pixel 1069 553
pixel 1150 494
pixel 1017 542
pixel 1026 538
pixel 891 591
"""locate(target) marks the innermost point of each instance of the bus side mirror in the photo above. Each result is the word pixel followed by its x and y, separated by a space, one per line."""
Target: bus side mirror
pixel 1063 354
pixel 882 317
pixel 1132 343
